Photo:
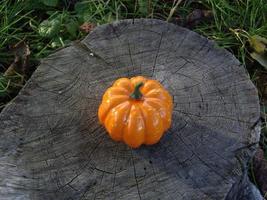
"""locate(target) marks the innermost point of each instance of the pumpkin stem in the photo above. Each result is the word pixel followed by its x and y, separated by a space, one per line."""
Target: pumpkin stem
pixel 137 95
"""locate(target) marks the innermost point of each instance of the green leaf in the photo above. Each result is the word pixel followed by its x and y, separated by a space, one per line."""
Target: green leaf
pixel 261 58
pixel 258 43
pixel 143 6
pixel 57 42
pixel 52 3
pixel 49 28
pixel 72 27
pixel 84 11
pixel 80 7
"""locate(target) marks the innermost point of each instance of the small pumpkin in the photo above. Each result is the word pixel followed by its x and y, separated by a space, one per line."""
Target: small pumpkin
pixel 136 111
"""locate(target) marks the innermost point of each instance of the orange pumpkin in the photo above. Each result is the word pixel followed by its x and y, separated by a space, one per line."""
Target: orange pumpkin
pixel 136 111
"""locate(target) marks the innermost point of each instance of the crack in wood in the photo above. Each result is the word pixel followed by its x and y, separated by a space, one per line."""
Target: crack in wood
pixel 137 185
pixel 54 148
pixel 156 57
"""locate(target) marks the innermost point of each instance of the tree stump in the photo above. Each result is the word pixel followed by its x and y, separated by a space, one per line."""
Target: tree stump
pixel 52 146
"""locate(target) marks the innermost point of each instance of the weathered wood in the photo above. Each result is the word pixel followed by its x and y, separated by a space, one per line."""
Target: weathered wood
pixel 52 146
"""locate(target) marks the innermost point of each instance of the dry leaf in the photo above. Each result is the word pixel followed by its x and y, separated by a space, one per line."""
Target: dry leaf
pixel 261 83
pixel 21 52
pixel 197 15
pixel 258 43
pixel 87 27
pixel 259 46
pixel 261 58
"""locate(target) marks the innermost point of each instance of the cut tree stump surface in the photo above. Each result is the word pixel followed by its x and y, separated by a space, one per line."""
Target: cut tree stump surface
pixel 53 147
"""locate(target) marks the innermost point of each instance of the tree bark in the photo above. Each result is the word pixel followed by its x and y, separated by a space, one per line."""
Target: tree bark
pixel 53 147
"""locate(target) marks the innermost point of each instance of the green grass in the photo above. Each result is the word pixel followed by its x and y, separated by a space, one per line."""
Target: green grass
pixel 234 22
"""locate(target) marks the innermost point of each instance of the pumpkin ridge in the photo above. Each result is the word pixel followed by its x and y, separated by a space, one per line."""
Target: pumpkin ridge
pixel 112 107
pixel 161 101
pixel 127 128
pixel 119 120
pixel 163 105
pixel 152 91
pixel 119 104
pixel 143 116
pixel 114 96
pixel 136 111
pixel 152 84
pixel 128 114
pixel 154 110
pixel 122 90
pixel 118 83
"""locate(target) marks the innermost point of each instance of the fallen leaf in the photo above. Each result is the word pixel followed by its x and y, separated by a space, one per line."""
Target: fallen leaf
pixel 261 58
pixel 260 170
pixel 21 53
pixel 260 79
pixel 87 27
pixel 197 15
pixel 259 46
pixel 258 43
